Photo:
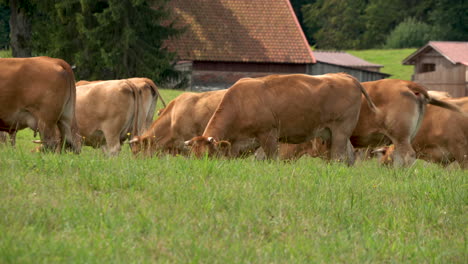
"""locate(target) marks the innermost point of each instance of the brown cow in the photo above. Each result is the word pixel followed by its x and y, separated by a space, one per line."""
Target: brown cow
pixel 183 118
pixel 401 107
pixel 287 108
pixel 107 112
pixel 149 96
pixel 39 93
pixel 442 138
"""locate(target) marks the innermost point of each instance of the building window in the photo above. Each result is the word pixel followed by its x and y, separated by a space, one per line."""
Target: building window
pixel 428 67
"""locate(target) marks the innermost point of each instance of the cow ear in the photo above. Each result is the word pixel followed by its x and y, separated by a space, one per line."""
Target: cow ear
pixel 212 140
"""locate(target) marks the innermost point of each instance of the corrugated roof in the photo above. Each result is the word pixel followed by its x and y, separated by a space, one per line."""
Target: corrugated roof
pixel 454 51
pixel 239 31
pixel 342 59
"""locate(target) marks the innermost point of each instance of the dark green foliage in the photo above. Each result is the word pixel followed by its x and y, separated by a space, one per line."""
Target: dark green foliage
pixel 340 32
pixel 4 26
pixel 450 18
pixel 409 34
pixel 363 24
pixel 107 39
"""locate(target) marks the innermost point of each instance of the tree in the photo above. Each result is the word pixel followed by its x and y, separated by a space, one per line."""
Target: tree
pixel 4 25
pixel 335 24
pixel 20 27
pixel 108 39
pixel 450 17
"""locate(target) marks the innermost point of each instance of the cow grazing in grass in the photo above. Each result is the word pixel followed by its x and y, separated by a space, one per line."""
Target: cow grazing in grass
pixel 287 108
pixel 108 112
pixel 183 118
pixel 442 138
pixel 39 93
pixel 401 107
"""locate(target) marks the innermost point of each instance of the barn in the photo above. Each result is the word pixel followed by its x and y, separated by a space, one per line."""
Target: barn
pixel 225 40
pixel 339 61
pixel 441 66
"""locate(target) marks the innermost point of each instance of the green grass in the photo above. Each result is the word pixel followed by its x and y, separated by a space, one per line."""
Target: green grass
pixel 89 208
pixel 391 59
pixel 5 54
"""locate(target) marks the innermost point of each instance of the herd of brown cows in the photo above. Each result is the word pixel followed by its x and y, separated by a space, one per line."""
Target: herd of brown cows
pixel 283 116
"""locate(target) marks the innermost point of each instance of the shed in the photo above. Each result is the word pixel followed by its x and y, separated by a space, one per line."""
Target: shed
pixel 441 66
pixel 339 61
pixel 226 40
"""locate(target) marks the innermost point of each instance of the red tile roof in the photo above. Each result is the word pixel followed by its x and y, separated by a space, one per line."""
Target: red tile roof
pixel 239 31
pixel 455 52
pixel 342 58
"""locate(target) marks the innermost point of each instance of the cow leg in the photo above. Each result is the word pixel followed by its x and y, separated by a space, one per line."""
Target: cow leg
pixel 269 143
pixel 70 138
pixel 113 146
pixel 49 137
pixel 13 138
pixel 341 148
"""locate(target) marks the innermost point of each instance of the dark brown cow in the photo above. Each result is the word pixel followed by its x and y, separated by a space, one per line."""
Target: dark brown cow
pixel 443 136
pixel 287 108
pixel 39 93
pixel 183 118
pixel 108 112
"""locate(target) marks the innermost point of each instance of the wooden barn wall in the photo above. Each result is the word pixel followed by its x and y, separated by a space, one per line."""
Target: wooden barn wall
pixel 447 76
pixel 208 76
pixel 363 76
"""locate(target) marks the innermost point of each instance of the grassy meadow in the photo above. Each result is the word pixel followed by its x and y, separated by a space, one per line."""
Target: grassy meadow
pixel 391 59
pixel 89 208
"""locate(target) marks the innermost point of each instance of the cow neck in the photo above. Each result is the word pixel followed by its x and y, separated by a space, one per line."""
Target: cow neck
pixel 221 124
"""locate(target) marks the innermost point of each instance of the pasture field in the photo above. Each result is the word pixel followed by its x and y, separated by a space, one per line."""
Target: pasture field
pixel 391 60
pixel 89 208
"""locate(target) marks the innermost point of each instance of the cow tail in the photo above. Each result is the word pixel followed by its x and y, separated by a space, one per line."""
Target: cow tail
pixel 156 90
pixel 137 126
pixel 418 89
pixel 75 140
pixel 370 103
pixel 446 105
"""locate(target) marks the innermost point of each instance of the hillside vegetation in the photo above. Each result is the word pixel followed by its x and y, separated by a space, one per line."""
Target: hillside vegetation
pixel 391 59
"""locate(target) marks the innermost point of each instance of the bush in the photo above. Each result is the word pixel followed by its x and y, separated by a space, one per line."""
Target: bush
pixel 409 34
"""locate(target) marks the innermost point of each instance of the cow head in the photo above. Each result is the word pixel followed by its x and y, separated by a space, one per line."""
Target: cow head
pixel 201 145
pixel 385 154
pixel 139 144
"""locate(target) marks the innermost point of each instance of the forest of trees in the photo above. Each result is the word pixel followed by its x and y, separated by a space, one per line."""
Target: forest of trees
pixel 104 39
pixel 119 38
pixel 365 24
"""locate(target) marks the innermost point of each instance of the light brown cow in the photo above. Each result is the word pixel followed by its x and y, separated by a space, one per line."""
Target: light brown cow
pixel 184 117
pixel 108 112
pixel 442 138
pixel 287 108
pixel 401 107
pixel 149 93
pixel 39 93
